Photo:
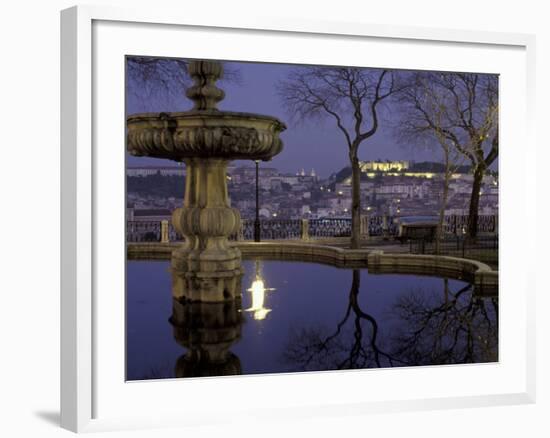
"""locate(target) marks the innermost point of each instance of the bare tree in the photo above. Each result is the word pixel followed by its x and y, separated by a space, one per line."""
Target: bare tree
pixel 351 97
pixel 461 111
pixel 452 158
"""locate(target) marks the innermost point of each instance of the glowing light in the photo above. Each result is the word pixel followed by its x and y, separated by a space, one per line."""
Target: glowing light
pixel 258 291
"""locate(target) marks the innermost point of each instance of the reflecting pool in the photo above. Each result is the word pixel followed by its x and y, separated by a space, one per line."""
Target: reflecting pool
pixel 305 317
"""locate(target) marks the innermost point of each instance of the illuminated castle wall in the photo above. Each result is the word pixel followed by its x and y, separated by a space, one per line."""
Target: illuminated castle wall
pixel 371 169
pixel 383 166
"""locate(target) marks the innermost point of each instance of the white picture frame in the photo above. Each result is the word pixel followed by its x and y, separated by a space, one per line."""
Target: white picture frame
pixel 82 275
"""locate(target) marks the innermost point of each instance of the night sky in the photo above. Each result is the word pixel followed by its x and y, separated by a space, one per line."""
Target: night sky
pixel 311 144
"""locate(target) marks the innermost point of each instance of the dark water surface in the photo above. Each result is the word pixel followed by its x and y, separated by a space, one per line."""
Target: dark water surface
pixel 317 317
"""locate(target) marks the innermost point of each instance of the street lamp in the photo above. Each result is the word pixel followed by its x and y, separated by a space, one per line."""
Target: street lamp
pixel 257 219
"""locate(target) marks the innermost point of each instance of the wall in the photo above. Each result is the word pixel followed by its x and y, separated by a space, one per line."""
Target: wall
pixel 29 106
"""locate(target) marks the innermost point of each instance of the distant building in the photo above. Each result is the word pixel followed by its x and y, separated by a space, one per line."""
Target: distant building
pixel 276 184
pixel 247 174
pixel 323 212
pixel 129 212
pixel 265 212
pixel 289 179
pixel 343 189
pixel 340 204
pixel 154 170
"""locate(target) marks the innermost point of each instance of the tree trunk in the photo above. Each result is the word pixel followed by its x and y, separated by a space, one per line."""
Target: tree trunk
pixel 355 201
pixel 474 201
pixel 440 231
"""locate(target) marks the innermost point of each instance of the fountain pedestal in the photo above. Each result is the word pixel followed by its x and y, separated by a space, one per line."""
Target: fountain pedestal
pixel 208 266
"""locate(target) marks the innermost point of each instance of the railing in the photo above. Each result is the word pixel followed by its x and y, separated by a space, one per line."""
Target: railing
pixel 304 229
pixel 483 247
pixel 143 231
pixel 173 235
pixel 329 228
pixel 273 229
pixel 456 224
pixel 382 225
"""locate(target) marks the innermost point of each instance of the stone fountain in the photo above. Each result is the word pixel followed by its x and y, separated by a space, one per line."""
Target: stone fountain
pixel 205 139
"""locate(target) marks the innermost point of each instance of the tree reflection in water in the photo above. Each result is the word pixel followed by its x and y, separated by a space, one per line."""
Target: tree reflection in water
pixel 450 328
pixel 419 329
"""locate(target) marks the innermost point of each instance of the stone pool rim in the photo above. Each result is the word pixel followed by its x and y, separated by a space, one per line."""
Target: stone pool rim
pixel 375 260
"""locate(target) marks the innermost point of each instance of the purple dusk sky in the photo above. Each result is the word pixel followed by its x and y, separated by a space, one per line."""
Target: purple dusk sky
pixel 310 144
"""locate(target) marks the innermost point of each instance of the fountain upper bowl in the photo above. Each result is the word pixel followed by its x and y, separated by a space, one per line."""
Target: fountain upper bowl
pixel 204 134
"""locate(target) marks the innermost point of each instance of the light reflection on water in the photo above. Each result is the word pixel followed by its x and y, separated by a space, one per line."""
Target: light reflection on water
pixel 305 317
pixel 258 292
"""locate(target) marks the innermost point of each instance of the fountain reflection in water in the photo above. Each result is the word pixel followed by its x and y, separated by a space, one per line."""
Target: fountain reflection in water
pixel 207 331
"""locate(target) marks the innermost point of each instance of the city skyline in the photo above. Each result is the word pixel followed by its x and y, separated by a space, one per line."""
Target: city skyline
pixel 395 187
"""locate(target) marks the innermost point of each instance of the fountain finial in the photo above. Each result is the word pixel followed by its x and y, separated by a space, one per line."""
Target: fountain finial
pixel 205 93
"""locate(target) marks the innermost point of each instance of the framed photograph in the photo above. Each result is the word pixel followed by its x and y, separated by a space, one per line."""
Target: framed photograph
pixel 291 218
